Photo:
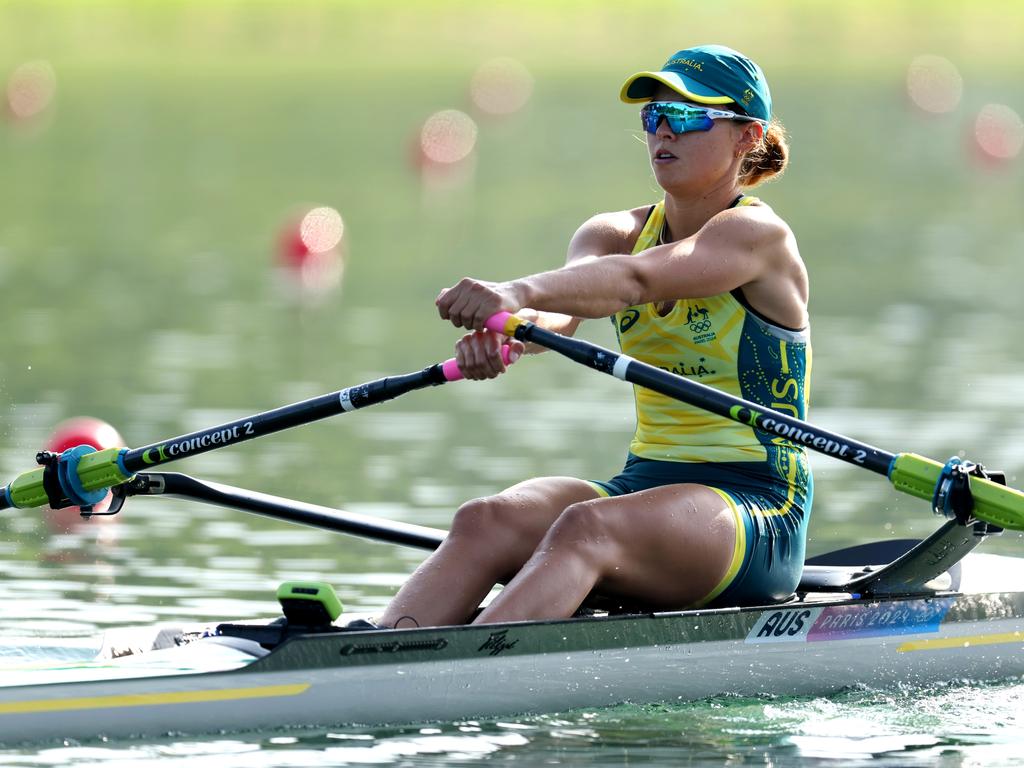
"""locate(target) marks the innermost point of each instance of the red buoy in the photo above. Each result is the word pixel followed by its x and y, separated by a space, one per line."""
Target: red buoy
pixel 311 252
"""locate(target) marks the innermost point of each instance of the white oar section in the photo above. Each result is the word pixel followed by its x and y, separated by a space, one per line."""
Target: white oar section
pixel 621 367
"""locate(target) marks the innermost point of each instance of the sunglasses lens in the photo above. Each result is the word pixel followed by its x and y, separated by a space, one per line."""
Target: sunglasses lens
pixel 681 118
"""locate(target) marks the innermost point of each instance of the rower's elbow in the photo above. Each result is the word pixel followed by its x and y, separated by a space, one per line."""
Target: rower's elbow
pixel 636 288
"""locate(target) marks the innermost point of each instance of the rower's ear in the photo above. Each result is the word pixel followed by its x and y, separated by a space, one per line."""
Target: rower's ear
pixel 751 136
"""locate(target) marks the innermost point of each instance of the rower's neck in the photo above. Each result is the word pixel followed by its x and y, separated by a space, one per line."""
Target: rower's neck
pixel 685 215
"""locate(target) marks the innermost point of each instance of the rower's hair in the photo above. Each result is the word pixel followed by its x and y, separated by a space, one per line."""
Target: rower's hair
pixel 768 158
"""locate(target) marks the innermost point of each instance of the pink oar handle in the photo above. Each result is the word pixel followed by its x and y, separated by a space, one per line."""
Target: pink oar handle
pixel 499 323
pixel 451 369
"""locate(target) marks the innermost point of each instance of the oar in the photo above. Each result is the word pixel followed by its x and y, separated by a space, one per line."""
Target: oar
pixel 908 472
pixel 289 510
pixel 81 476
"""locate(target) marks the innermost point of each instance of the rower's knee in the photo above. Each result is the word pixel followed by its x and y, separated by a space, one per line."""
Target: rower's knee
pixel 479 518
pixel 491 531
pixel 584 530
pixel 491 519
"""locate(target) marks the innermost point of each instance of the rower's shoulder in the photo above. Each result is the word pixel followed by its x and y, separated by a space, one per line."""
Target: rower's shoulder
pixel 758 223
pixel 609 232
pixel 756 212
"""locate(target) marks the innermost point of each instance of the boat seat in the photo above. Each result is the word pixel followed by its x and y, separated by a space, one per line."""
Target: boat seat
pixel 828 578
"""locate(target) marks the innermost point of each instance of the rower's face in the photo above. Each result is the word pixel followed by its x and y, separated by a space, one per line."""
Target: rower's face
pixel 695 159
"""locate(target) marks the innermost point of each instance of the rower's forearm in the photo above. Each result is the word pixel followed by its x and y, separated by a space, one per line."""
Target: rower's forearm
pixel 591 288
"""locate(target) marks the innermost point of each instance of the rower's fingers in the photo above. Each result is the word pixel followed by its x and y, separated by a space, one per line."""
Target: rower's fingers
pixel 516 349
pixel 468 358
pixel 479 355
pixel 460 304
pixel 442 302
pixel 487 304
pixel 488 349
pixel 492 349
pixel 451 301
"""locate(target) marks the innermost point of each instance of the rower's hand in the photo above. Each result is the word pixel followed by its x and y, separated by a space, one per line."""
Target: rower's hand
pixel 478 354
pixel 469 303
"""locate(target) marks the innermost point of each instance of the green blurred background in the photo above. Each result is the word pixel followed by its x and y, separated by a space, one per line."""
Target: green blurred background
pixel 141 212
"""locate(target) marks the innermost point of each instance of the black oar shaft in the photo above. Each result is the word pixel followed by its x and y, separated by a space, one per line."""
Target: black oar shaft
pixel 89 472
pixel 702 396
pixel 285 417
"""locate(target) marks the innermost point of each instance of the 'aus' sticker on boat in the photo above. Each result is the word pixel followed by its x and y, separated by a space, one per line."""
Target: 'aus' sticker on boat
pixel 842 622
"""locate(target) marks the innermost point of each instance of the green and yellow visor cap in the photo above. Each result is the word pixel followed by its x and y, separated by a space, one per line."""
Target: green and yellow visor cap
pixel 707 74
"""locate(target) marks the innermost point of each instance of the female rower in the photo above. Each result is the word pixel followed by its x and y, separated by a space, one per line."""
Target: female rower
pixel 707 283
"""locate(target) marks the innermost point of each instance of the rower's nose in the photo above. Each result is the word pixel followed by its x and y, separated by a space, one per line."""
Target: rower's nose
pixel 663 130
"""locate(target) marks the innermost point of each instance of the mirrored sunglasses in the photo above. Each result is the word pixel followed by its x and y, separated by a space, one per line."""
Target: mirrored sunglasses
pixel 683 118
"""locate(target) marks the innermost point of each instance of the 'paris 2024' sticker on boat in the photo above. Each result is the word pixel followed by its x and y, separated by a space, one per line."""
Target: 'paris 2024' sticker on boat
pixel 844 622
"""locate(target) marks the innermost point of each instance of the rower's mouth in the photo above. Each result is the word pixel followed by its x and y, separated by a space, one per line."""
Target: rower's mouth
pixel 663 155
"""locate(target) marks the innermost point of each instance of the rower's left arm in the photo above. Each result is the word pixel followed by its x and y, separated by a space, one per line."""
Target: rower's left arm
pixel 731 250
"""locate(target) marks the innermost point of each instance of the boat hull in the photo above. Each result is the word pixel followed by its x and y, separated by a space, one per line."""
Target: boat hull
pixel 453 673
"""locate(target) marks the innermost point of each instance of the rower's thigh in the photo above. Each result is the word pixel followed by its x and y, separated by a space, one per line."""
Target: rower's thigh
pixel 672 546
pixel 514 521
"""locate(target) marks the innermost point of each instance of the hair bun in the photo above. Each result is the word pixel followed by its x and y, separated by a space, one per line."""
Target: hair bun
pixel 768 159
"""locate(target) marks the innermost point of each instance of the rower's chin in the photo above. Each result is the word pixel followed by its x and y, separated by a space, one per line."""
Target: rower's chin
pixel 672 175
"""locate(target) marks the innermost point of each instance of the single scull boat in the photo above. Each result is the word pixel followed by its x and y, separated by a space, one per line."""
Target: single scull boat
pixel 935 612
pixel 873 615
